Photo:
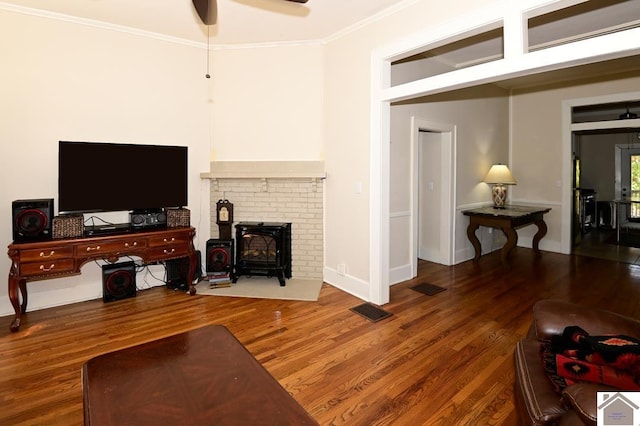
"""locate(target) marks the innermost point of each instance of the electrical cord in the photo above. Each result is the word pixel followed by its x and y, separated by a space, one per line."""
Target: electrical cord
pixel 91 221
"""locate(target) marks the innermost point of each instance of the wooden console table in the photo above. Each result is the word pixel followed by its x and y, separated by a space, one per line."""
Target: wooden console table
pixel 507 220
pixel 55 258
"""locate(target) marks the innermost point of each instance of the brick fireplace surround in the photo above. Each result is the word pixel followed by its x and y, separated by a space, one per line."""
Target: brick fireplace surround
pixel 273 191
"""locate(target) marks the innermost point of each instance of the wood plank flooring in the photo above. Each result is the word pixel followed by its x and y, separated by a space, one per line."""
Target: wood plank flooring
pixel 445 359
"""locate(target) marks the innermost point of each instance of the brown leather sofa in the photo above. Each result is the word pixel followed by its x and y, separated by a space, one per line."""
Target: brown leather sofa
pixel 536 401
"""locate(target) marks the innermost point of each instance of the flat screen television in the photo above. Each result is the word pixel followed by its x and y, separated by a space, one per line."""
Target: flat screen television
pixel 101 177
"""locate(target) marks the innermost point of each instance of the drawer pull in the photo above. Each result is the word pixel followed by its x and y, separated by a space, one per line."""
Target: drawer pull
pixel 51 253
pixel 166 240
pixel 45 269
pixel 93 248
pixel 135 243
pixel 169 251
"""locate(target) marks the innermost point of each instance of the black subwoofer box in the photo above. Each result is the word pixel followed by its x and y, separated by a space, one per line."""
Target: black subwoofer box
pixel 219 256
pixel 178 270
pixel 32 219
pixel 118 281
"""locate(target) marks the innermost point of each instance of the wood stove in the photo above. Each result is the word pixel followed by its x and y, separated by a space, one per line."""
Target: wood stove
pixel 263 249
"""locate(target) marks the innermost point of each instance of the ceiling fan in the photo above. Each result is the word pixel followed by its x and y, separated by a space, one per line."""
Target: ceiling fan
pixel 208 9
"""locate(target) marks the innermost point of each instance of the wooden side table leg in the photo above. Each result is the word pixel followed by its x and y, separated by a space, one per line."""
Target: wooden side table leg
pixel 512 240
pixel 542 231
pixel 16 284
pixel 471 234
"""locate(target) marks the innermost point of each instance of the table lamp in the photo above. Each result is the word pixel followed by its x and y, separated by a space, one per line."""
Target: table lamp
pixel 499 175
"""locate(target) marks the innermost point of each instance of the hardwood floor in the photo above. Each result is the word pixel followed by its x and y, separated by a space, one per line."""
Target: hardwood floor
pixel 598 243
pixel 445 359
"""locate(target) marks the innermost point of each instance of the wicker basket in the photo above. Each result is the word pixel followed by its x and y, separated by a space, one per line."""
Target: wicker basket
pixel 178 217
pixel 68 226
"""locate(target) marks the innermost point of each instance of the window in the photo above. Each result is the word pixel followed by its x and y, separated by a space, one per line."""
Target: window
pixel 634 166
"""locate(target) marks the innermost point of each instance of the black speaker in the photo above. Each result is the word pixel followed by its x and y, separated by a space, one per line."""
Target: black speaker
pixel 178 269
pixel 118 281
pixel 148 219
pixel 32 219
pixel 219 256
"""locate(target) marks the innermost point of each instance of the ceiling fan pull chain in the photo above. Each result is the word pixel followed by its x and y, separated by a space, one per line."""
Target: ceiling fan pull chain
pixel 208 38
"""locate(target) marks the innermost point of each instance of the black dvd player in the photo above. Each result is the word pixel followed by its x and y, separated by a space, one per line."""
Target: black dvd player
pixel 116 228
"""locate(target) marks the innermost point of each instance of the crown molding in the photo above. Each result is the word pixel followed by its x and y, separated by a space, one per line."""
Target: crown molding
pixel 97 24
pixel 203 45
pixel 370 20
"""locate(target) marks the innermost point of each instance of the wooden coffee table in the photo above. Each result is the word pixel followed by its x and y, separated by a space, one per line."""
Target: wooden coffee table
pixel 201 377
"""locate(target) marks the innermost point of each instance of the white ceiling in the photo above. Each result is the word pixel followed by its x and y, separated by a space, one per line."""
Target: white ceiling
pixel 239 21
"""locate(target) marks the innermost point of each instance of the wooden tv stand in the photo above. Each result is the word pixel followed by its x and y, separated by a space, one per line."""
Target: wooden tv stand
pixel 62 257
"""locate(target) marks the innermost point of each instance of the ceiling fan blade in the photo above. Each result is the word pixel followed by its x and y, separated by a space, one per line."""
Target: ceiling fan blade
pixel 299 1
pixel 207 10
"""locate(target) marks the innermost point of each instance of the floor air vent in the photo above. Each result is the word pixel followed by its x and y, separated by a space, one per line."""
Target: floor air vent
pixel 370 312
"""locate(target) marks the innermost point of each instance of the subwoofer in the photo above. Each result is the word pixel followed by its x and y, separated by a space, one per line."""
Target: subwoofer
pixel 32 219
pixel 178 270
pixel 219 256
pixel 118 281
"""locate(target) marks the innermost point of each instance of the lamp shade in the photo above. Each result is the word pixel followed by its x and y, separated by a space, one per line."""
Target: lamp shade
pixel 499 173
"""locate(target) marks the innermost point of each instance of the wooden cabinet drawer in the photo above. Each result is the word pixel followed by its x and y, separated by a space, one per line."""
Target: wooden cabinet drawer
pixel 168 252
pixel 45 255
pixel 112 246
pixel 177 239
pixel 47 267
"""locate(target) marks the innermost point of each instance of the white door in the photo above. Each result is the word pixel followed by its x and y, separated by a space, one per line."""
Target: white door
pixel 433 192
pixel 429 197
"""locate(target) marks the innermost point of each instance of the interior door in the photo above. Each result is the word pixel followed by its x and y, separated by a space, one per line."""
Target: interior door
pixel 429 196
pixel 628 178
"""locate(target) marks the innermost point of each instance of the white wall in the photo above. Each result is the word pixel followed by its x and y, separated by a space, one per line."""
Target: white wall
pixel 267 103
pixel 67 81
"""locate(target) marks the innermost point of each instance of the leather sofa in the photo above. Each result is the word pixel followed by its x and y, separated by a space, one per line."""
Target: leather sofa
pixel 536 401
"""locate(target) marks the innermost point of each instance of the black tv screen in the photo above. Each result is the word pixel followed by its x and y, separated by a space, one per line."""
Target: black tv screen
pixel 96 176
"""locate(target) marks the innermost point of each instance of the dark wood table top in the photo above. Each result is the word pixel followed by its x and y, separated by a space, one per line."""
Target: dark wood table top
pixel 200 377
pixel 510 211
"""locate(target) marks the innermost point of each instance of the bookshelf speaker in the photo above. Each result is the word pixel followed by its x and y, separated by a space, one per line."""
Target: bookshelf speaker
pixel 32 219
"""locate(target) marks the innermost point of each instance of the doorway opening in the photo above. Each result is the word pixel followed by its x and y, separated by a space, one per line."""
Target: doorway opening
pixel 433 192
pixel 606 179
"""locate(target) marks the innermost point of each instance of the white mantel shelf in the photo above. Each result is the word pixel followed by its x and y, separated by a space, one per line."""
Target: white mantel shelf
pixel 265 170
